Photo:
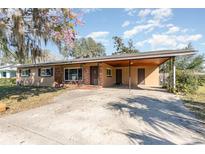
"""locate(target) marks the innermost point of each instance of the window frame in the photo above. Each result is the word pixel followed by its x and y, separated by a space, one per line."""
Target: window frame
pixel 25 75
pixel 108 69
pixel 3 74
pixel 70 68
pixel 45 68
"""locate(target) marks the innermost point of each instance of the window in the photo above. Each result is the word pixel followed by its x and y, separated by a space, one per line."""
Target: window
pixel 4 74
pixel 25 72
pixel 46 71
pixel 109 72
pixel 73 74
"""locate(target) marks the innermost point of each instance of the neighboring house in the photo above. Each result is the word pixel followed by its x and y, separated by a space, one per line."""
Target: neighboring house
pixel 8 71
pixel 129 69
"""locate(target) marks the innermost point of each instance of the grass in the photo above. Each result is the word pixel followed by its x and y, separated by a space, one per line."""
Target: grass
pixel 19 98
pixel 196 102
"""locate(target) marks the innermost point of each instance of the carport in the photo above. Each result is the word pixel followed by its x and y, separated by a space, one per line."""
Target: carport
pixel 139 63
pixel 150 59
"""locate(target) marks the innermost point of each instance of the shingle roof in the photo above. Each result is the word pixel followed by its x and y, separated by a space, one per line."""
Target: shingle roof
pixel 140 55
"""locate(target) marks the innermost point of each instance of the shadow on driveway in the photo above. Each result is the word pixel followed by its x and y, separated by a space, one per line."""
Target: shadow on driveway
pixel 164 116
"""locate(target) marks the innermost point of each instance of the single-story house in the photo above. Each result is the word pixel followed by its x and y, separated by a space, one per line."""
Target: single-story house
pixel 8 71
pixel 128 69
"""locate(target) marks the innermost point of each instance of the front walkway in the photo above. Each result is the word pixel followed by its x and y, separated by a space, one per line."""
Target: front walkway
pixel 105 116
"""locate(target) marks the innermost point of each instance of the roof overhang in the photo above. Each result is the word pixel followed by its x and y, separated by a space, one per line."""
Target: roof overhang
pixel 150 56
pixel 138 62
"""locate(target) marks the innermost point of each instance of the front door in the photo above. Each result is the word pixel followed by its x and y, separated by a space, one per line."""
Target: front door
pixel 94 75
pixel 118 76
pixel 141 76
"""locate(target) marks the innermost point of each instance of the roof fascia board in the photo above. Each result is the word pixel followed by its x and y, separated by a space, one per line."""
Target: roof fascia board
pixel 106 59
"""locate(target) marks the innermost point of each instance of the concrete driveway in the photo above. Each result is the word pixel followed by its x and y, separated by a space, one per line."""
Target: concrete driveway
pixel 105 116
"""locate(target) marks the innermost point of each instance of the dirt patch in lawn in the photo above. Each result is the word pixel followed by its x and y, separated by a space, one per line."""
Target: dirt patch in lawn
pixel 20 98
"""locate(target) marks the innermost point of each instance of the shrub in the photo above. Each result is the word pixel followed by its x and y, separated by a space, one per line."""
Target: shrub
pixel 9 81
pixel 186 81
pixel 201 80
pixel 188 78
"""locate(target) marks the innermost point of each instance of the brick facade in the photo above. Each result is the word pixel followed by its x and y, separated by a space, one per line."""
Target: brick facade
pixel 86 75
pixel 59 74
pixel 100 75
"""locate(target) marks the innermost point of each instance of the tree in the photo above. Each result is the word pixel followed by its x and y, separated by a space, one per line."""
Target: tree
pixel 131 46
pixel 87 48
pixel 190 62
pixel 189 46
pixel 118 43
pixel 6 58
pixel 66 51
pixel 121 48
pixel 22 31
pixel 187 69
pixel 46 56
pixel 194 63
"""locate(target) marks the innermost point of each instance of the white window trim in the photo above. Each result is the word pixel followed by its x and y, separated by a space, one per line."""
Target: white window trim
pixel 45 68
pixel 110 72
pixel 73 68
pixel 22 73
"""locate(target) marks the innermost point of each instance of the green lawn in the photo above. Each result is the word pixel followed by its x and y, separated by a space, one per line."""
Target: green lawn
pixel 19 98
pixel 196 102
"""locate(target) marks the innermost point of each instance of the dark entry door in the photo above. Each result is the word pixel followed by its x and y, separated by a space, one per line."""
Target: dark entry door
pixel 94 75
pixel 141 76
pixel 118 76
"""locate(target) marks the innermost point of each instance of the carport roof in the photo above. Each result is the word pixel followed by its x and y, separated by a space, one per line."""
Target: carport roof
pixel 138 56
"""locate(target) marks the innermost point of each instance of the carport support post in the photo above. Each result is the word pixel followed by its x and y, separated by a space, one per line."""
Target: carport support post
pixel 170 81
pixel 164 71
pixel 129 76
pixel 174 73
